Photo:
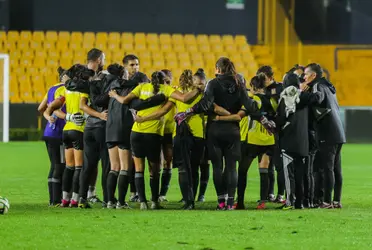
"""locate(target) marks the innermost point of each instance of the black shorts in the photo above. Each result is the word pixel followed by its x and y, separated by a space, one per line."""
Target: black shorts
pixel 167 139
pixel 146 145
pixel 258 151
pixel 73 139
pixel 121 145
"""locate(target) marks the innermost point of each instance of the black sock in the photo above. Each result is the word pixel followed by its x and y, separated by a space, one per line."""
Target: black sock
pixel 123 184
pixel 50 190
pixel 242 185
pixel 232 181
pixel 140 186
pixel 204 177
pixel 68 174
pixel 185 185
pixel 271 176
pixel 57 183
pixel 154 185
pixel 76 179
pixel 264 184
pixel 112 179
pixel 165 180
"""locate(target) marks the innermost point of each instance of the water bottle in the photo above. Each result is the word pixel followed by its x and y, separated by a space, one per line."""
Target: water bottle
pixel 53 125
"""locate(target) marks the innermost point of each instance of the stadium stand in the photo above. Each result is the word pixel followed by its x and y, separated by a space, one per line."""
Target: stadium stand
pixel 35 56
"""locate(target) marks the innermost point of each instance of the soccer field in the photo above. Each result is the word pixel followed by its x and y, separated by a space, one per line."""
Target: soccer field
pixel 30 224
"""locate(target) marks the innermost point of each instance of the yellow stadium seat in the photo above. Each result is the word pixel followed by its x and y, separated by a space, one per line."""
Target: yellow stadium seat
pixel 179 48
pixel 27 96
pixel 67 54
pixel 139 38
pixel 51 36
pixel 153 47
pixel 76 37
pixel 23 45
pixel 197 64
pixel 48 45
pixel 64 36
pixel 171 56
pixel 40 54
pixel 114 37
pixel 144 55
pixel 128 47
pixel 10 45
pixel 213 39
pixel 24 82
pixel 44 71
pixel 101 37
pixel 157 56
pixel 25 62
pixel 165 39
pixel 210 58
pixel 217 47
pixel 146 63
pixel 202 39
pixel 196 56
pixel 38 36
pixel 140 47
pixel 14 62
pixel 65 62
pixel 53 54
pixel 14 98
pixel 39 95
pixel 89 37
pixel 33 71
pixel 15 54
pixel 177 39
pixel 158 64
pixel 25 35
pixel 192 48
pixel 183 56
pixel 231 49
pixel 19 71
pixel 36 45
pixel 227 39
pixel 113 47
pixel 235 58
pixel 79 59
pixel 88 45
pixel 152 38
pixel 39 62
pixel 204 48
pixel 37 80
pixel 239 66
pixel 52 63
pixel 62 46
pixel 171 64
pixel 13 36
pixel 2 36
pixel 189 39
pixel 240 40
pixel 102 46
pixel 185 64
pixel 166 47
pixel 127 37
pixel 51 79
pixel 75 45
pixel 28 54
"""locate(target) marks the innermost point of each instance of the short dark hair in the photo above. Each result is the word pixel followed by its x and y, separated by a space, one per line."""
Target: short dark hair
pixel 267 70
pixel 129 57
pixel 94 54
pixel 316 68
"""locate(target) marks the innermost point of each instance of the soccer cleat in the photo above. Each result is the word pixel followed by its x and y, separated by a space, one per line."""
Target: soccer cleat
pixel 124 206
pixel 65 203
pixel 74 203
pixel 201 198
pixel 104 204
pixel 83 203
pixel 279 199
pixel 94 199
pixel 188 206
pixel 271 198
pixel 261 205
pixel 162 198
pixel 134 198
pixel 229 208
pixel 239 206
pixel 155 205
pixel 326 205
pixel 182 200
pixel 286 207
pixel 144 206
pixel 221 206
pixel 110 205
pixel 337 204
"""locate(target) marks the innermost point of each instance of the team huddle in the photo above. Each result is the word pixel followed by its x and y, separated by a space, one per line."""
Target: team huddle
pixel 121 117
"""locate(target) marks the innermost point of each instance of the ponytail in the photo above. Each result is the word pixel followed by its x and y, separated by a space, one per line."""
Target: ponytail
pixel 157 78
pixel 227 67
pixel 186 81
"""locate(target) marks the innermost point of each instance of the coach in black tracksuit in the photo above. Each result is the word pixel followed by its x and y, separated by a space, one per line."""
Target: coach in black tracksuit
pixel 292 123
pixel 330 135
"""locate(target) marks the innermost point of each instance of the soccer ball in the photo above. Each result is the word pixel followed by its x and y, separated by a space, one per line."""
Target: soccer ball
pixel 4 205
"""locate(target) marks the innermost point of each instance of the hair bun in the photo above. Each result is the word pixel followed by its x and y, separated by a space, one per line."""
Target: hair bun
pixel 200 70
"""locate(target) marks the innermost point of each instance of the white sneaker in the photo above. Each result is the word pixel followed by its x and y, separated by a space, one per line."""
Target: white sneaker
pixel 162 199
pixel 110 205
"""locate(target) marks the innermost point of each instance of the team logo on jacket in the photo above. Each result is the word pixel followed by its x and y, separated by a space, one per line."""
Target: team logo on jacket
pixel 273 91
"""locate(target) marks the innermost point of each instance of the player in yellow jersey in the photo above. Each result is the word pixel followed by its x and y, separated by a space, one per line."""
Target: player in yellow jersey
pixel 72 140
pixel 146 137
pixel 167 145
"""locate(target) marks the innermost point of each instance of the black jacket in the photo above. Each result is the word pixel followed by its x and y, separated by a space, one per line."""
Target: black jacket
pixel 224 91
pixel 95 89
pixel 274 90
pixel 329 129
pixel 293 130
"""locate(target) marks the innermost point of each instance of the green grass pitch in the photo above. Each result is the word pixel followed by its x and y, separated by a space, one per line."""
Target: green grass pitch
pixel 30 224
